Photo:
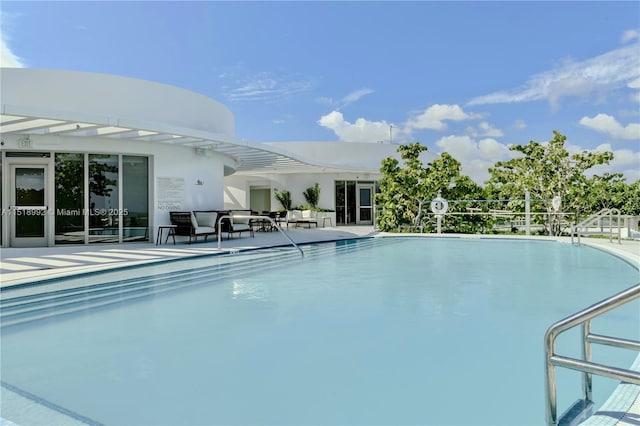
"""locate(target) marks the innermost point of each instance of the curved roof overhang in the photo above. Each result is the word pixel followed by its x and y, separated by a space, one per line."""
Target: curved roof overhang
pixel 246 158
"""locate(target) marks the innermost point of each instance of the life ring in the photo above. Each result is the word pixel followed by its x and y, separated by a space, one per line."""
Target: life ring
pixel 439 205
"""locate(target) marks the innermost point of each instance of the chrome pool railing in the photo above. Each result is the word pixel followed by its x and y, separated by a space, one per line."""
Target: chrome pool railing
pixel 585 365
pixel 597 221
pixel 273 224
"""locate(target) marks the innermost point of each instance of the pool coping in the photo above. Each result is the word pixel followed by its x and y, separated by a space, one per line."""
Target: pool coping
pixel 623 403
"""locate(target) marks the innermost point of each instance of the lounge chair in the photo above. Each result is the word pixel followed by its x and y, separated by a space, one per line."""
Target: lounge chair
pixel 194 224
pixel 239 222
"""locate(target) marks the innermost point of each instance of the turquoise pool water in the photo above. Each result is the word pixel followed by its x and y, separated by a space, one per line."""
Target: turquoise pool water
pixel 383 331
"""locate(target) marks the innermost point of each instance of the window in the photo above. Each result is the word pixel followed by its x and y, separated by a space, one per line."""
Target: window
pixel 104 208
pixel 135 198
pixel 69 198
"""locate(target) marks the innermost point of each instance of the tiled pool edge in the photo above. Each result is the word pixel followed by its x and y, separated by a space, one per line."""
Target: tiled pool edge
pixel 35 407
pixel 619 405
pixel 626 397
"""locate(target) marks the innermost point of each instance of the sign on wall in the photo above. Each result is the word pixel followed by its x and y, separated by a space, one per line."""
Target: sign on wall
pixel 171 193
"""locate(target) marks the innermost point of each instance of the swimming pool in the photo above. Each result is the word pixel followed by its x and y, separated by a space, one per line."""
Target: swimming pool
pixel 377 331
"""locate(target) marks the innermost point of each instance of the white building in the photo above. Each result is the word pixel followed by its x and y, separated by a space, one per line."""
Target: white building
pixel 94 158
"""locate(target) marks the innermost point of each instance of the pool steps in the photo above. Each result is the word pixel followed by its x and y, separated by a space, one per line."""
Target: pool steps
pixel 22 309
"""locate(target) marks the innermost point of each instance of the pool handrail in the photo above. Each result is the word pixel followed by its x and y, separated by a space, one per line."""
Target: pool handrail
pixel 273 224
pixel 606 212
pixel 585 365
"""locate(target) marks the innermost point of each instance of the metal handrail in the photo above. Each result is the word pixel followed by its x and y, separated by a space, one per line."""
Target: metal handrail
pixel 606 212
pixel 273 223
pixel 585 365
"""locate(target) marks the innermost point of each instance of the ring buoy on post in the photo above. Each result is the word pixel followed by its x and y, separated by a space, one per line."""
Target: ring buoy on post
pixel 439 205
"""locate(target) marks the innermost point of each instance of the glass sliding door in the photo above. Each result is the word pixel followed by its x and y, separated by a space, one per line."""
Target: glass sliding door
pixel 355 202
pixel 135 198
pixel 69 198
pixel 346 202
pixel 28 211
pixel 365 204
pixel 104 206
pixel 340 202
pixel 351 207
pixel 75 198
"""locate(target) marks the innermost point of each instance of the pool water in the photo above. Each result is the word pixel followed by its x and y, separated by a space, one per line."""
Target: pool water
pixel 391 331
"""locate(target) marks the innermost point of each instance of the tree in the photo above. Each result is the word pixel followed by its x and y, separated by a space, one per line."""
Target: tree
pixel 283 197
pixel 402 189
pixel 312 195
pixel 406 192
pixel 606 191
pixel 631 205
pixel 546 170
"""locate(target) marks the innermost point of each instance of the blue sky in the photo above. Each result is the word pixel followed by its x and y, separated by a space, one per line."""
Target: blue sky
pixel 469 78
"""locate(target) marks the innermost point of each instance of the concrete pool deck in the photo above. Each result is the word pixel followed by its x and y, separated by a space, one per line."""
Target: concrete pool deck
pixel 20 267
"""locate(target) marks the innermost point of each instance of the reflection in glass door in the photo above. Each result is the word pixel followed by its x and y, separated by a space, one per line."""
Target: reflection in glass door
pixel 28 209
pixel 365 205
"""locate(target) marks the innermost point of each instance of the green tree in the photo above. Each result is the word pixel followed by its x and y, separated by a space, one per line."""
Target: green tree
pixel 606 191
pixel 402 190
pixel 546 170
pixel 283 197
pixel 406 191
pixel 631 205
pixel 312 195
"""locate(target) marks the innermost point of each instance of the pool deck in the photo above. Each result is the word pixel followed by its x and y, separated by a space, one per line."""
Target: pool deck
pixel 21 267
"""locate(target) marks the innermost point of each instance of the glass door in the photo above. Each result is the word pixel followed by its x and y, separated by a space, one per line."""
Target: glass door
pixel 28 207
pixel 365 205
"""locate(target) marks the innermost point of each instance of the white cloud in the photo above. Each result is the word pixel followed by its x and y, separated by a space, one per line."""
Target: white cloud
pixel 520 124
pixel 324 100
pixel 435 116
pixel 475 156
pixel 7 57
pixel 349 99
pixel 624 161
pixel 267 87
pixel 608 125
pixel 634 84
pixel 355 95
pixel 485 129
pixel 612 70
pixel 630 35
pixel 360 131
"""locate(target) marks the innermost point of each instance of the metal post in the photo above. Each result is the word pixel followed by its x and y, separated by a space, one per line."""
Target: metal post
pixel 587 379
pixel 551 407
pixel 527 213
pixel 439 221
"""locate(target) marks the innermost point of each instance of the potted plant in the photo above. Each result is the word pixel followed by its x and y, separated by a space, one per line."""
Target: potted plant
pixel 312 196
pixel 284 198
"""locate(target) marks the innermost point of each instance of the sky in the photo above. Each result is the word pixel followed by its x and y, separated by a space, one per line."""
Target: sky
pixel 467 78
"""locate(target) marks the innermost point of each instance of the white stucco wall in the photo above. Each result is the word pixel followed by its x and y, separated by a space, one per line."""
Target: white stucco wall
pixel 118 100
pixel 237 188
pixel 359 156
pixel 90 98
pixel 165 161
